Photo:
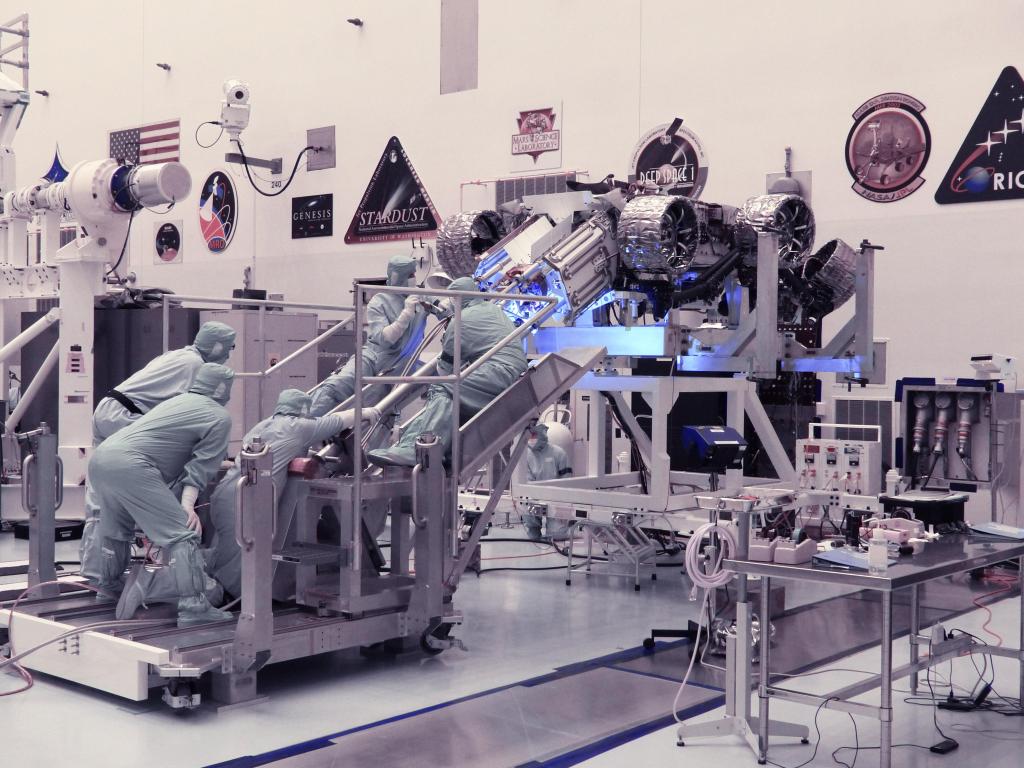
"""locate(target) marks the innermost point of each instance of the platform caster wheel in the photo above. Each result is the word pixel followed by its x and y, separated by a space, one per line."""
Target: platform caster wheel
pixel 649 646
pixel 805 741
pixel 440 633
pixel 762 762
pixel 181 695
pixel 680 743
pixel 568 582
pixel 636 587
pixel 654 577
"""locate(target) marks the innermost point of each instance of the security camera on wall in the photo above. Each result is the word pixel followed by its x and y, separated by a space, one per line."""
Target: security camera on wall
pixel 234 108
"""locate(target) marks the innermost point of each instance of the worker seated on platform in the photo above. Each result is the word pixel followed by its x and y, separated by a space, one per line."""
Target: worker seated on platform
pixel 290 431
pixel 163 377
pixel 544 461
pixel 394 331
pixel 484 325
pixel 150 474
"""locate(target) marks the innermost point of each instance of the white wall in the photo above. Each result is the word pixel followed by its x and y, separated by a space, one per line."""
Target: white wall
pixel 749 78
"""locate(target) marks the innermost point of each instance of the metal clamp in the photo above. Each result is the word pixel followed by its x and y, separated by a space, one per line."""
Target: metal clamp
pixel 58 491
pixel 273 512
pixel 239 533
pixel 248 453
pixel 415 497
pixel 26 474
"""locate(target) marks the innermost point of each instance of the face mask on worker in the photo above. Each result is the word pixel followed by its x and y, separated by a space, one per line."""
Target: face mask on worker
pixel 401 270
pixel 293 402
pixel 214 381
pixel 464 284
pixel 215 342
pixel 538 438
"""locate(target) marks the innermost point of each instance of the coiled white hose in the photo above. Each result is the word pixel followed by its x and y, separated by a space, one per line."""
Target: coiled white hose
pixel 715 576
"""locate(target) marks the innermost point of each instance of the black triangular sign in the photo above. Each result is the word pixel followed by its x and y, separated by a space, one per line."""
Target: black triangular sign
pixel 990 163
pixel 395 205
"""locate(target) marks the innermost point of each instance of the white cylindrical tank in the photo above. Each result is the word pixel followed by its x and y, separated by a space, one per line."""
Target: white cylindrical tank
pixel 160 183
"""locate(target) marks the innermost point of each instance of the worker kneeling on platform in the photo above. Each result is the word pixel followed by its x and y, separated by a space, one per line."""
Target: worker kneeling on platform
pixel 394 330
pixel 179 444
pixel 289 432
pixel 164 377
pixel 484 325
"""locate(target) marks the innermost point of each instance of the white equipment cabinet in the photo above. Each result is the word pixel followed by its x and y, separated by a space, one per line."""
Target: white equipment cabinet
pixel 253 398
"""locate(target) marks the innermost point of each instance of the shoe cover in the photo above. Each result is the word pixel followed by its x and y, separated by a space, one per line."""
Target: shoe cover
pixel 147 584
pixel 395 457
pixel 196 610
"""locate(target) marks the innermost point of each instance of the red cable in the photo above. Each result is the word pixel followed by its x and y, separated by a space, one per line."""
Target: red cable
pixel 1006 584
pixel 517 557
pixel 25 674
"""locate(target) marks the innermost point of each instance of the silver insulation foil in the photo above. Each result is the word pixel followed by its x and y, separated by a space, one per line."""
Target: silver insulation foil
pixel 789 216
pixel 659 233
pixel 456 252
pixel 837 274
pixel 584 264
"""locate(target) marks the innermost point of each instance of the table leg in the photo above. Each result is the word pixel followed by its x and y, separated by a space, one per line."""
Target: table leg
pixel 762 689
pixel 915 629
pixel 885 741
pixel 1020 646
pixel 568 560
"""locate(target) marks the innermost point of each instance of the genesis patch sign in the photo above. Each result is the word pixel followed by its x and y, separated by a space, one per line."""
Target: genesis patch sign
pixel 672 158
pixel 395 205
pixel 888 147
pixel 313 216
pixel 990 163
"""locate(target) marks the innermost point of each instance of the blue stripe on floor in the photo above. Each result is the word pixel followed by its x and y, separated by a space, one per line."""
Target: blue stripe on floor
pixel 580 754
pixel 608 661
pixel 577 756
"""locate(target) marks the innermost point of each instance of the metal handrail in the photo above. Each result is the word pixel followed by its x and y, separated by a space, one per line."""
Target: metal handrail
pixel 315 342
pixel 455 379
pixel 261 305
pixel 33 389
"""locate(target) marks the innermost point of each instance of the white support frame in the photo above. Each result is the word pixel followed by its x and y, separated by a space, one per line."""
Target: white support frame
pixel 617 491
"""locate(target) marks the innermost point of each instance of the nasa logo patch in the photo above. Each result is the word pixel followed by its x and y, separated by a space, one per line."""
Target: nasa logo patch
pixel 888 147
pixel 218 211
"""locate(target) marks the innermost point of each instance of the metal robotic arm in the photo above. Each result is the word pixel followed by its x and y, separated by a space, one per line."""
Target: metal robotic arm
pixel 13 102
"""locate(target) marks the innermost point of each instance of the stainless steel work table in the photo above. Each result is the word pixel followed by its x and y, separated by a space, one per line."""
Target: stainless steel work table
pixel 945 557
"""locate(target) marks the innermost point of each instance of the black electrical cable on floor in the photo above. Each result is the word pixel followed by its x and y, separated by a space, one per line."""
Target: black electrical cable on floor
pixel 291 177
pixel 509 568
pixel 817 743
pixel 935 705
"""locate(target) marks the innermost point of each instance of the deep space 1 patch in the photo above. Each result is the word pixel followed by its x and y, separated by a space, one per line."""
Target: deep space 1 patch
pixel 671 157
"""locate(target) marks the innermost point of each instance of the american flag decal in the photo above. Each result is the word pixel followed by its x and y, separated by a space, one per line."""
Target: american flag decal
pixel 156 143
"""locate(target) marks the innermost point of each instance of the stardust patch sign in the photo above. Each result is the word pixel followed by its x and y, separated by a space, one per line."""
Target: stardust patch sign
pixel 888 147
pixel 395 205
pixel 313 216
pixel 990 163
pixel 537 141
pixel 672 158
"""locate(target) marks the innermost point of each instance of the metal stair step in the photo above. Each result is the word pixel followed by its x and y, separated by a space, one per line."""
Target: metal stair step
pixel 308 553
